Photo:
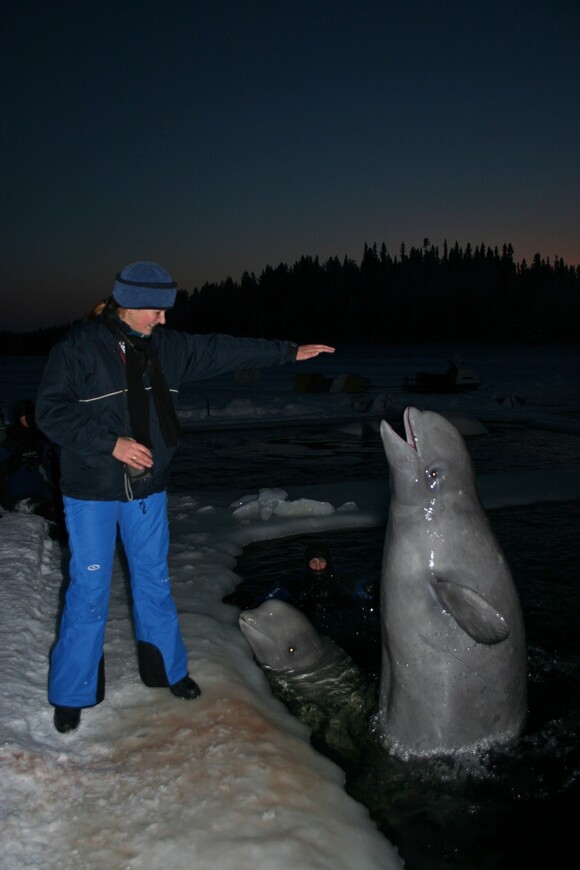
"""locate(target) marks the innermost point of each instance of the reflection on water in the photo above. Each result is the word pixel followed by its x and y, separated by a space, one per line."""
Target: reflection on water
pixel 513 806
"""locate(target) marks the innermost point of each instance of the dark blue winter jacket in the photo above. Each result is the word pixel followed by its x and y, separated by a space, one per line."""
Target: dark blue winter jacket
pixel 82 399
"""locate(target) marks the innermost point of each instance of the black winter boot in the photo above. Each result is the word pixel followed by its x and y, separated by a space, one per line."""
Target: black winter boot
pixel 67 719
pixel 185 688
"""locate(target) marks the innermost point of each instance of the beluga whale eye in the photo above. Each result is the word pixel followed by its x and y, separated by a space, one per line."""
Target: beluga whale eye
pixel 434 476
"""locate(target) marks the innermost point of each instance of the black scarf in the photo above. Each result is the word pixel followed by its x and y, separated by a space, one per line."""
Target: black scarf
pixel 140 357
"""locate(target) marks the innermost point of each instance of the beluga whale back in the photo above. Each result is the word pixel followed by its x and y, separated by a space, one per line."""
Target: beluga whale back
pixel 453 674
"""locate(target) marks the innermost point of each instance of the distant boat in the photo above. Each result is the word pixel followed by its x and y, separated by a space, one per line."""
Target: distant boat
pixel 457 379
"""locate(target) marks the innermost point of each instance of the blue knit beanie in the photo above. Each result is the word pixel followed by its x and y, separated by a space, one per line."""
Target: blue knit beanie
pixel 144 285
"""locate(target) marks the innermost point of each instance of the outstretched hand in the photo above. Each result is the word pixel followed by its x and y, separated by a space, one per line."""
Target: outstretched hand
pixel 308 351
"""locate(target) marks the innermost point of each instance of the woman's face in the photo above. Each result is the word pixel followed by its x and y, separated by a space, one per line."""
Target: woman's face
pixel 142 320
pixel 317 564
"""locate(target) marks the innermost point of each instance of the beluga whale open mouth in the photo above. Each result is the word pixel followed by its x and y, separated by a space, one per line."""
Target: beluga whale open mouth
pixel 411 437
pixel 409 415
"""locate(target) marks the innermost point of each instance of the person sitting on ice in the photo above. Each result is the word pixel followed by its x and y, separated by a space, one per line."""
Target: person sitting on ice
pixel 28 465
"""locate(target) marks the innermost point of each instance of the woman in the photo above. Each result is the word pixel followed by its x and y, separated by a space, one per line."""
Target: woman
pixel 107 399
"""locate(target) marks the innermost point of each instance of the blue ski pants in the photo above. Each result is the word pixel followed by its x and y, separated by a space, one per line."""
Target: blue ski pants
pixel 76 660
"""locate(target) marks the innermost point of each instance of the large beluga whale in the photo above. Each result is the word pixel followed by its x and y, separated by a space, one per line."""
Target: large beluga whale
pixel 453 675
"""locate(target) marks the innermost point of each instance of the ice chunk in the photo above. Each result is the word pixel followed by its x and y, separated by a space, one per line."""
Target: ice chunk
pixel 269 499
pixel 304 507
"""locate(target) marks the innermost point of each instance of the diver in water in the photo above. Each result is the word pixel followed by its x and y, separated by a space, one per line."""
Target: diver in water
pixel 317 585
pixel 342 605
pixel 320 587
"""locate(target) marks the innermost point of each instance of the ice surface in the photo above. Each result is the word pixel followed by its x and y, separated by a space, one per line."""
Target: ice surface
pixel 150 781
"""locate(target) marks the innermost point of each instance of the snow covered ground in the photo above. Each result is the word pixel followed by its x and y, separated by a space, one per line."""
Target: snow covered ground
pixel 228 780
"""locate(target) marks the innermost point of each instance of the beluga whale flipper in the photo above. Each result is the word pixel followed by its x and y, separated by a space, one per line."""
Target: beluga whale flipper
pixel 453 674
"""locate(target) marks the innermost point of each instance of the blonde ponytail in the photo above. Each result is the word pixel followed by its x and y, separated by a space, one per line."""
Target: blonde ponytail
pixel 98 309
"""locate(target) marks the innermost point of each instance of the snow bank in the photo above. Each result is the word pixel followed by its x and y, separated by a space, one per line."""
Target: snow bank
pixel 149 781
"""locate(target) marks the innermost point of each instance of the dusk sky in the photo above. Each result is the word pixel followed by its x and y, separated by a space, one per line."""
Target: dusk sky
pixel 217 137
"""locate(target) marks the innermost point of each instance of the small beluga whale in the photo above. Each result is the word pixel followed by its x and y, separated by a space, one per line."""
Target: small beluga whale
pixel 453 673
pixel 319 683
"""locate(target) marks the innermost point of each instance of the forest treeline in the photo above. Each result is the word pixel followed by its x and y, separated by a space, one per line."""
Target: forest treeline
pixel 421 294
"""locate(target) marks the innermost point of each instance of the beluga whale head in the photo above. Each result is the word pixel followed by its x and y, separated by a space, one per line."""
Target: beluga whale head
pixel 433 459
pixel 282 638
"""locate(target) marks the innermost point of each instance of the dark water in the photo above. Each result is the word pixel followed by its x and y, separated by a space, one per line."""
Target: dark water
pixel 249 459
pixel 509 807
